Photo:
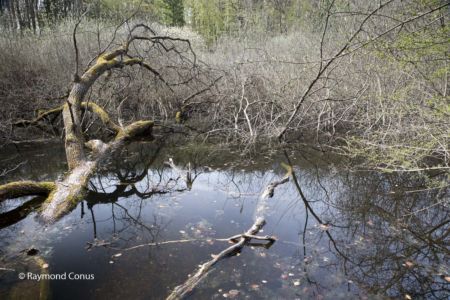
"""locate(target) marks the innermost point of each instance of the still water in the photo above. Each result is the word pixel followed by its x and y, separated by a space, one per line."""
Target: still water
pixel 355 235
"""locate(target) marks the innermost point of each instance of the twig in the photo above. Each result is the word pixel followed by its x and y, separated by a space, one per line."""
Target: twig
pixel 183 290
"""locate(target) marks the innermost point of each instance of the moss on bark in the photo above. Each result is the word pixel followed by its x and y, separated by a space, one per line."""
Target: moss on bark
pixel 25 188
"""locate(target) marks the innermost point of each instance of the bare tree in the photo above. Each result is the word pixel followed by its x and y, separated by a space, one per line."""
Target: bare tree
pixel 140 44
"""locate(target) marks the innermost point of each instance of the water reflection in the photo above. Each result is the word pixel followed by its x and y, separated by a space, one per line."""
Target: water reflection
pixel 340 234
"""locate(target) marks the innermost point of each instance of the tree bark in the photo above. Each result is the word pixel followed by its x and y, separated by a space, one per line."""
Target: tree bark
pixel 73 188
pixel 65 195
pixel 25 188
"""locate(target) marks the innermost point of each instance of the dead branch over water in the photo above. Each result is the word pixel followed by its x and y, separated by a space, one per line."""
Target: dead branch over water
pixel 65 194
pixel 239 241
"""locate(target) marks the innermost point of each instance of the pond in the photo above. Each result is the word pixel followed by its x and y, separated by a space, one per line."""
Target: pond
pixel 143 229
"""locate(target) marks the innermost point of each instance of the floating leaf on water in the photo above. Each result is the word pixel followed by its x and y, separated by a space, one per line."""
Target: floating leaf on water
pixel 291 274
pixel 233 293
pixel 111 262
pixel 408 297
pixel 117 255
pixel 296 282
pixel 182 231
pixel 262 254
pixel 408 264
pixel 264 281
pixel 324 227
pixel 447 278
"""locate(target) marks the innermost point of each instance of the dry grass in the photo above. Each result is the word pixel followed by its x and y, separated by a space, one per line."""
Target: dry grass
pixel 366 100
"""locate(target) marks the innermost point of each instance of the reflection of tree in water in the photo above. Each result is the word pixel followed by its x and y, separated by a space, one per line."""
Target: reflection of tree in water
pixel 376 225
pixel 392 241
pixel 402 245
pixel 137 177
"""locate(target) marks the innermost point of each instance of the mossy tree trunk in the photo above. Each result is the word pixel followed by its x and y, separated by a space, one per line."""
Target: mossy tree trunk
pixel 64 195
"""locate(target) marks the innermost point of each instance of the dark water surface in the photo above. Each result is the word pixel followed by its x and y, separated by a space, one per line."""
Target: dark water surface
pixel 359 235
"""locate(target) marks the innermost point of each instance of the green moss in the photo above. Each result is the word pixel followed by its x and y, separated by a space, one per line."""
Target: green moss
pixel 102 65
pixel 178 117
pixel 25 188
pixel 136 129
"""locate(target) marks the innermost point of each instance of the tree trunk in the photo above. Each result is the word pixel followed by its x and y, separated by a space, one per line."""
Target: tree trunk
pixel 73 188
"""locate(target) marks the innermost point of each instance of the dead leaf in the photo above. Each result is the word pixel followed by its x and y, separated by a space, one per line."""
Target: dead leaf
pixel 409 264
pixel 324 227
pixel 233 293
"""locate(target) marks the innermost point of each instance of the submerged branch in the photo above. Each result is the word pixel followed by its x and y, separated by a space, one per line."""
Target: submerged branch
pixel 183 290
pixel 240 241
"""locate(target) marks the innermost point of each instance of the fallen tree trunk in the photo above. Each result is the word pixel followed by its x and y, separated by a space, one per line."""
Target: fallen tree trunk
pixel 65 195
pixel 183 290
pixel 72 189
pixel 240 241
